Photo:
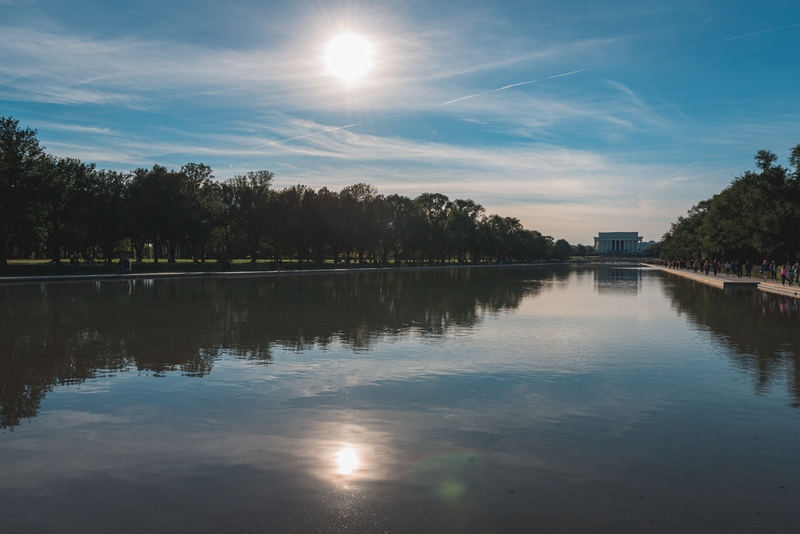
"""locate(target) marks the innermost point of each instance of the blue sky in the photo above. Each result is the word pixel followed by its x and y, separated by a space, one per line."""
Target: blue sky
pixel 663 106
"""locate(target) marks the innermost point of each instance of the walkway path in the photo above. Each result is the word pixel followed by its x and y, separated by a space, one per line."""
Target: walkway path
pixel 721 280
pixel 724 281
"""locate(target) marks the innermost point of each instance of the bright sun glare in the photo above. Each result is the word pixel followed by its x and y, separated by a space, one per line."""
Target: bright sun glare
pixel 347 460
pixel 349 56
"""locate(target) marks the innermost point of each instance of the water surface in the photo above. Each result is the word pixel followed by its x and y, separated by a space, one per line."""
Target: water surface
pixel 609 399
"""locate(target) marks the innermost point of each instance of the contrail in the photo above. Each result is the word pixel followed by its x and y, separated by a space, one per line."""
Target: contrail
pixel 511 86
pixel 520 84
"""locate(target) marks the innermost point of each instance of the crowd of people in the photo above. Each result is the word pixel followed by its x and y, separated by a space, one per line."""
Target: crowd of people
pixel 770 271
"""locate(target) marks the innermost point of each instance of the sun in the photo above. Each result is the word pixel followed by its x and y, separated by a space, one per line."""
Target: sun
pixel 349 56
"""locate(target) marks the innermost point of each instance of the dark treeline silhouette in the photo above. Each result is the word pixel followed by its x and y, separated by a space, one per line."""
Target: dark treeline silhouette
pixel 69 333
pixel 757 217
pixel 52 207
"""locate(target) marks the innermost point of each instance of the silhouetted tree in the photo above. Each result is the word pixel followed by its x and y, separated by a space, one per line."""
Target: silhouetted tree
pixel 462 228
pixel 107 213
pixel 19 152
pixel 562 250
pixel 65 203
pixel 754 218
pixel 63 196
pixel 204 208
pixel 434 208
pixel 252 199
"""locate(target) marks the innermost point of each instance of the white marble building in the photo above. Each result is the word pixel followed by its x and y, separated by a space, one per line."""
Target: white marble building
pixel 622 242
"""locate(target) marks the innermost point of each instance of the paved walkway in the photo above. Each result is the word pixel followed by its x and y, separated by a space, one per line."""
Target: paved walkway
pixel 721 280
pixel 724 281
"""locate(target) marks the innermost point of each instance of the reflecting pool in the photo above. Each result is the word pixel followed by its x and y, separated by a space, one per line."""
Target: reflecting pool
pixel 553 399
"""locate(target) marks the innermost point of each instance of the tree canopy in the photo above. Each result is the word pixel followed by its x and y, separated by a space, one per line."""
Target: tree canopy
pixel 51 206
pixel 756 217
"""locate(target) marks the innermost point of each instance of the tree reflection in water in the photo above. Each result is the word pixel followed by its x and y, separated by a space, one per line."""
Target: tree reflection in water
pixel 762 330
pixel 59 334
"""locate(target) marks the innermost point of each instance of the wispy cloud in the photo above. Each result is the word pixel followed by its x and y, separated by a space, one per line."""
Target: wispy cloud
pixel 424 68
pixel 69 127
pixel 538 183
pixel 57 68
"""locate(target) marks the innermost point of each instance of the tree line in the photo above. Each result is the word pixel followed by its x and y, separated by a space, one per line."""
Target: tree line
pixel 54 206
pixel 756 217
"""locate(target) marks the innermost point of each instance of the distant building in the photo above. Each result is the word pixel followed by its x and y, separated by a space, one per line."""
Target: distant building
pixel 618 242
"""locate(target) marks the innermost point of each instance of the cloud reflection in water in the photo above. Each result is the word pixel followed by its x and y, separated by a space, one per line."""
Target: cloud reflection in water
pixel 382 426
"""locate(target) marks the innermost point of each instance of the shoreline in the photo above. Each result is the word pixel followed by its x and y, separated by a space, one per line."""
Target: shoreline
pixel 78 278
pixel 722 281
pixel 732 282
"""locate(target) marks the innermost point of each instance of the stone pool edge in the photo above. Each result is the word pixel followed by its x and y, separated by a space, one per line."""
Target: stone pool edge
pixel 726 283
pixel 55 279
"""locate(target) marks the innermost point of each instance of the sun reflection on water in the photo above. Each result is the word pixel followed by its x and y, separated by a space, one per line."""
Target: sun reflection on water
pixel 347 460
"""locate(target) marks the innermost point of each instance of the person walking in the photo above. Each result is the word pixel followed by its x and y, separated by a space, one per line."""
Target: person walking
pixel 764 270
pixel 784 273
pixel 73 261
pixel 748 268
pixel 790 276
pixel 773 269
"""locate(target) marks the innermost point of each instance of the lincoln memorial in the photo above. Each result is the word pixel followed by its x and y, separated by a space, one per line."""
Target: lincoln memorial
pixel 618 242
